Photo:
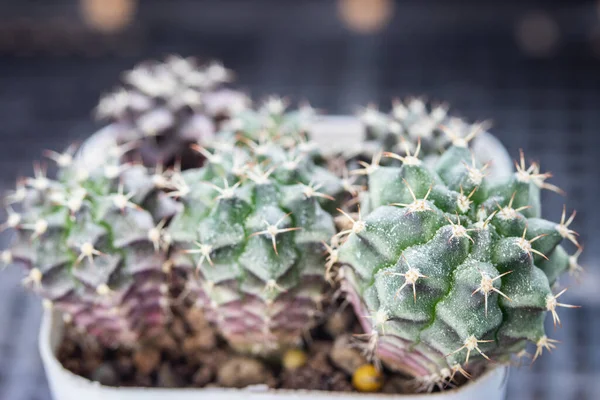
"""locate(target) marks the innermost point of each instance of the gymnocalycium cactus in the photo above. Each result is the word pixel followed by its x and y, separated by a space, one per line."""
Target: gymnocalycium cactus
pixel 164 107
pixel 272 123
pixel 252 234
pixel 447 271
pixel 408 123
pixel 91 245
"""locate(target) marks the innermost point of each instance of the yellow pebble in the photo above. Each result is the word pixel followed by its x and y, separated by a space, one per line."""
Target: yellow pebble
pixel 293 359
pixel 367 379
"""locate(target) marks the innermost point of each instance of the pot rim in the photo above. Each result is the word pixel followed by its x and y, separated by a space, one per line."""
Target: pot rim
pixel 51 335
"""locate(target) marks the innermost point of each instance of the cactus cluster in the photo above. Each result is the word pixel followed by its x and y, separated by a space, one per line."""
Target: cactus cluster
pixel 87 241
pixel 163 107
pixel 445 268
pixel 448 271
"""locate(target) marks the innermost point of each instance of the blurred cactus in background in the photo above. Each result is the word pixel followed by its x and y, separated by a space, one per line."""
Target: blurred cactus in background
pixel 164 107
pixel 408 124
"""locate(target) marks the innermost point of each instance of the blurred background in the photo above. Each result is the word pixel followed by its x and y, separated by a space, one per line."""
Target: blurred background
pixel 530 66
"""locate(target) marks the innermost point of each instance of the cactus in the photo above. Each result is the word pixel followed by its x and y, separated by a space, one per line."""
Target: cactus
pixel 406 125
pixel 272 124
pixel 448 271
pixel 92 246
pixel 251 235
pixel 164 107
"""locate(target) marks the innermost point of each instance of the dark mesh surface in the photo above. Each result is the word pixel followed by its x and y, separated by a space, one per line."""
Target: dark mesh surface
pixel 465 54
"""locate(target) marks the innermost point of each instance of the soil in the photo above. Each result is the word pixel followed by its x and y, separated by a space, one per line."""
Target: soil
pixel 191 354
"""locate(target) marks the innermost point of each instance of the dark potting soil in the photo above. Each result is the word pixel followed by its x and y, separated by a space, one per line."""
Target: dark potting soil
pixel 190 354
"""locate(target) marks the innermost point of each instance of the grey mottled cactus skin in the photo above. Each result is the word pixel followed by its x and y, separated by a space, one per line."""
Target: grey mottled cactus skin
pixel 251 234
pixel 89 243
pixel 408 123
pixel 273 124
pixel 163 107
pixel 446 270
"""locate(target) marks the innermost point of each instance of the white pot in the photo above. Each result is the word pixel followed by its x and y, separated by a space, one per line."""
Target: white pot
pixel 67 386
pixel 333 133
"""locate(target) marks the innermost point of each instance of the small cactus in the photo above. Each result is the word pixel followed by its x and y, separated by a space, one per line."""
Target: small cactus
pixel 448 271
pixel 272 124
pixel 163 107
pixel 251 233
pixel 410 125
pixel 91 246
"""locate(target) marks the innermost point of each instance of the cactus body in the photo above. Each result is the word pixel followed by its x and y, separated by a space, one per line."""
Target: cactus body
pixel 89 243
pixel 406 125
pixel 164 107
pixel 448 271
pixel 272 124
pixel 251 233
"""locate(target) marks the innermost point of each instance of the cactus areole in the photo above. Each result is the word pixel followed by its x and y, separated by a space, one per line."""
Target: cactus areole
pixel 448 272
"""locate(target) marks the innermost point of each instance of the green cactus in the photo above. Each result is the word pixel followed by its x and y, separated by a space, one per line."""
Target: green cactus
pixel 271 125
pixel 251 234
pixel 164 107
pixel 447 270
pixel 92 245
pixel 405 126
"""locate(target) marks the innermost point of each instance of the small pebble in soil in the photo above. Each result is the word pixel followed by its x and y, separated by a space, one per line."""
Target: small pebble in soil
pixel 167 378
pixel 105 374
pixel 124 365
pixel 345 356
pixel 203 376
pixel 367 379
pixel 201 340
pixel 319 360
pixel 178 329
pixel 146 359
pixel 195 319
pixel 294 359
pixel 239 372
pixel 399 384
pixel 167 343
pixel 339 322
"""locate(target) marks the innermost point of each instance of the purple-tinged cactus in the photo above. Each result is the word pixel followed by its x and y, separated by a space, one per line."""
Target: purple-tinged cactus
pixel 251 233
pixel 92 245
pixel 163 107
